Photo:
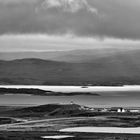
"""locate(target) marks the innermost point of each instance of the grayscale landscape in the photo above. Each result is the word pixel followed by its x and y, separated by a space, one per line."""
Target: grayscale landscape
pixel 69 70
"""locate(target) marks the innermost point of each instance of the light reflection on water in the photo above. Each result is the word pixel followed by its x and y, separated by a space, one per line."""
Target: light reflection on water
pixel 57 137
pixel 135 130
pixel 78 88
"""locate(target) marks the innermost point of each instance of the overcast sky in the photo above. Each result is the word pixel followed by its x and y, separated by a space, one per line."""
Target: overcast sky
pixel 68 24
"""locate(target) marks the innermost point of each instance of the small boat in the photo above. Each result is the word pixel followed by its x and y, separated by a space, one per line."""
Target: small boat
pixel 84 87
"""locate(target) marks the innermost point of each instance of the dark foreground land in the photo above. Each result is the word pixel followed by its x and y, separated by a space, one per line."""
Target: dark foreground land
pixel 31 123
pixel 77 136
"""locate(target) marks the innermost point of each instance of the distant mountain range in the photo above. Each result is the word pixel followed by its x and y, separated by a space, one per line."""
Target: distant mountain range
pixel 85 55
pixel 80 67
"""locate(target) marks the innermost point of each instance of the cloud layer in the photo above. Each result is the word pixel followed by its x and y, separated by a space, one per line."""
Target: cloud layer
pixel 34 42
pixel 90 18
pixel 69 5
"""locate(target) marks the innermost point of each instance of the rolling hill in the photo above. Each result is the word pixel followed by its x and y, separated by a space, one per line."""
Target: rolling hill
pixel 49 110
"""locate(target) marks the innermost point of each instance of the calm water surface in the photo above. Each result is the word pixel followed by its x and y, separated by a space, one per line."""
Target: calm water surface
pixel 103 130
pixel 109 96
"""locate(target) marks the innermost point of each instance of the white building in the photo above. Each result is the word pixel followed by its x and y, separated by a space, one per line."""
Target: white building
pixel 121 110
pixel 104 110
pixel 134 111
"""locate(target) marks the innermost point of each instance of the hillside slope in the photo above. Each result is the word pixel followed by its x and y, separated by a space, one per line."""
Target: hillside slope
pixel 49 110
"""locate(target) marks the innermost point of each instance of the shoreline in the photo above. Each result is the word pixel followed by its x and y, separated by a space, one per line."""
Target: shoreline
pixel 77 88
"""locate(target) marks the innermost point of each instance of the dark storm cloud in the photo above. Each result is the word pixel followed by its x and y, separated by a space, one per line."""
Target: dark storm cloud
pixel 113 18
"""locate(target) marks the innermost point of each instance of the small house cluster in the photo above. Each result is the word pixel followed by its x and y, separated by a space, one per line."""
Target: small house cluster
pixel 117 110
pixel 111 109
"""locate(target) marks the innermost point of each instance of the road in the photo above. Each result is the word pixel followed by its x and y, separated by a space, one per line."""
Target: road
pixel 43 122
